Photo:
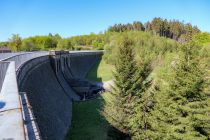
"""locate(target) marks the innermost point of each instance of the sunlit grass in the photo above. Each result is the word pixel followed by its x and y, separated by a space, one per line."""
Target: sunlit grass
pixel 87 122
pixel 101 72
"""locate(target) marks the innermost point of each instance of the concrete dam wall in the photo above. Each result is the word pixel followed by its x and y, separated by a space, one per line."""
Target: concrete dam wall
pixel 46 81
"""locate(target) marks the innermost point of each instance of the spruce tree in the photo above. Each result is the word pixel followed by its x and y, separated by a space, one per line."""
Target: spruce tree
pixel 188 93
pixel 118 109
pixel 142 120
pixel 182 112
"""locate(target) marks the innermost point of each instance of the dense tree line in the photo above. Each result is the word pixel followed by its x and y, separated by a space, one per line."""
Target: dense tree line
pixel 135 26
pixel 53 42
pixel 173 29
pixel 3 44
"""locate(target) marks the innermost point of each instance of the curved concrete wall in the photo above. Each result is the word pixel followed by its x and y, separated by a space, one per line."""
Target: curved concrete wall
pixel 48 91
pixel 51 106
pixel 81 64
pixel 8 55
pixel 20 59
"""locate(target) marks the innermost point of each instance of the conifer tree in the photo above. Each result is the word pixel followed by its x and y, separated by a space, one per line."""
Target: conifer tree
pixel 142 119
pixel 118 109
pixel 182 112
pixel 188 93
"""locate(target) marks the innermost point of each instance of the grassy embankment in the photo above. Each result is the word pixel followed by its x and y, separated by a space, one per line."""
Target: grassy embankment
pixel 87 121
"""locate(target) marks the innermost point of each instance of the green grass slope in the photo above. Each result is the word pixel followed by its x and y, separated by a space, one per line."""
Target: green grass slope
pixel 100 72
pixel 87 122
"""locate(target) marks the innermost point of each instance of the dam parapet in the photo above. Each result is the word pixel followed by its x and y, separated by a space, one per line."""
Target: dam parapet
pixel 11 117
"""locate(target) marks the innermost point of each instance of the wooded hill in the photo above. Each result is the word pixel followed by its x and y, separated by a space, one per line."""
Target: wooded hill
pixel 172 29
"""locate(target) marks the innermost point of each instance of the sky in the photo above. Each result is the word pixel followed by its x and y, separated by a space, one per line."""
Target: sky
pixel 78 17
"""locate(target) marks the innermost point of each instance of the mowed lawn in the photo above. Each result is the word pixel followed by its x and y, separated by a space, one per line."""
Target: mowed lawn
pixel 101 72
pixel 87 121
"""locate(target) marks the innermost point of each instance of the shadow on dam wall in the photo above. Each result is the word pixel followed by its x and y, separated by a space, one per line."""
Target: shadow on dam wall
pixel 93 75
pixel 51 102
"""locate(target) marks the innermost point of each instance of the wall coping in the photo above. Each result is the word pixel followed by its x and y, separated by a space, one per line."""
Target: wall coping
pixel 11 119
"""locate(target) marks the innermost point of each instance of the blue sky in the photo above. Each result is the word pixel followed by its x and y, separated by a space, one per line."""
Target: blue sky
pixel 77 17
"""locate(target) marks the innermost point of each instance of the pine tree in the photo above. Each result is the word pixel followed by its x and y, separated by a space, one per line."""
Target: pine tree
pixel 118 109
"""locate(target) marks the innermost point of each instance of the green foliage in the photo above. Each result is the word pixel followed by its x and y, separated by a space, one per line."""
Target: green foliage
pixel 65 44
pixel 98 45
pixel 181 110
pixel 40 43
pixel 136 26
pixel 142 121
pixel 148 46
pixel 96 41
pixel 202 39
pixel 172 100
pixel 4 44
pixel 15 43
pixel 171 29
pixel 101 72
pixel 127 81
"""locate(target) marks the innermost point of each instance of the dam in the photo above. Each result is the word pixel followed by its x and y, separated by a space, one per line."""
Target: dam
pixel 37 91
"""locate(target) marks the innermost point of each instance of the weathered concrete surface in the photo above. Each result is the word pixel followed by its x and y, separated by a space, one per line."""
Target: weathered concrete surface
pixel 7 55
pixel 66 87
pixel 11 122
pixel 49 91
pixel 81 64
pixel 51 105
pixel 20 59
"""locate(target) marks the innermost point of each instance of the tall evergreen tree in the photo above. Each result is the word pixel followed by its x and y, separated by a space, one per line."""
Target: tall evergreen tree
pixel 144 103
pixel 182 112
pixel 119 108
pixel 188 93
